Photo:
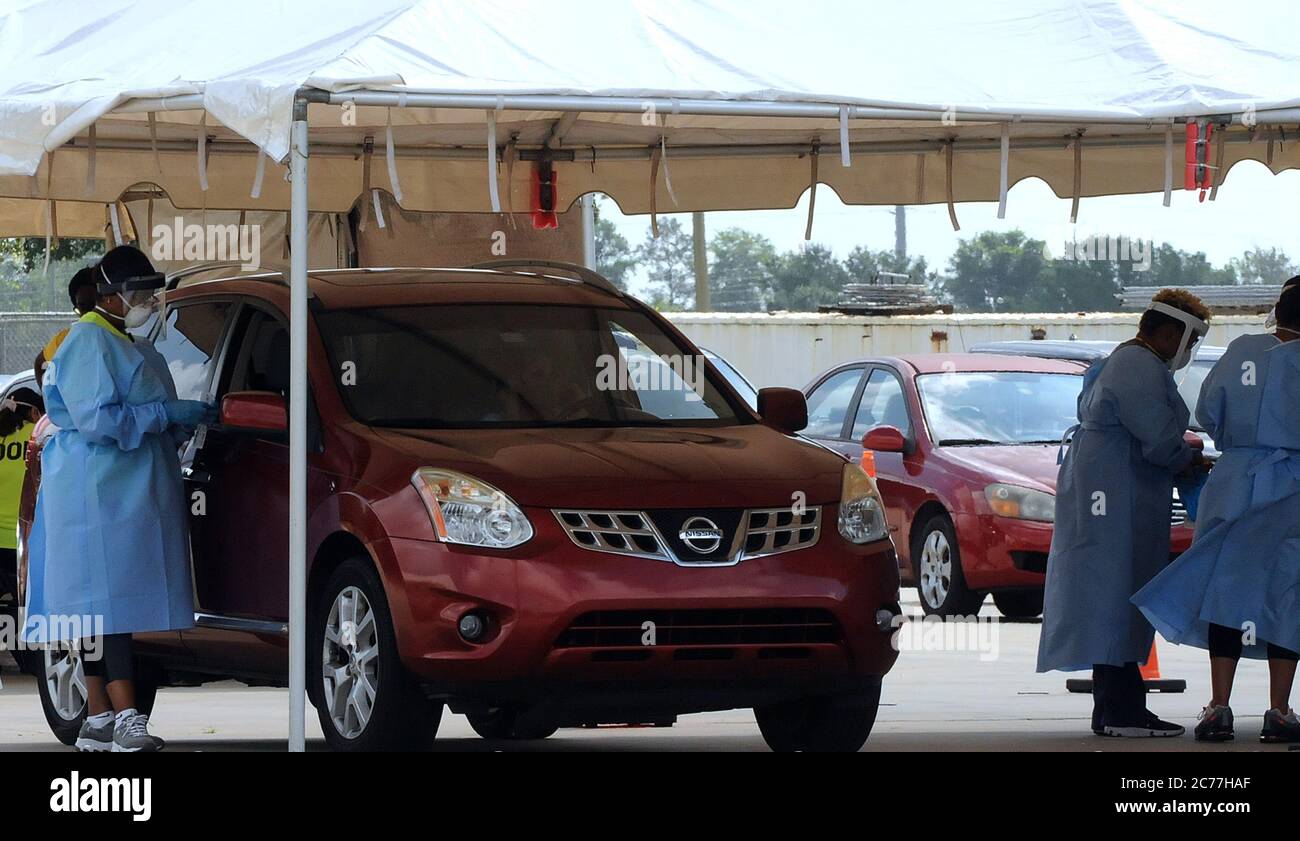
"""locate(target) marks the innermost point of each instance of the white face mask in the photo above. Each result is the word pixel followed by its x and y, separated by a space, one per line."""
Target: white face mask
pixel 138 314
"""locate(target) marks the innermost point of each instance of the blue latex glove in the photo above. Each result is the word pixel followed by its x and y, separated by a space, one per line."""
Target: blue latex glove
pixel 1189 491
pixel 189 413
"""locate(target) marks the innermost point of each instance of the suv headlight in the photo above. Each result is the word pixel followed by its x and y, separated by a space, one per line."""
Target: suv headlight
pixel 862 514
pixel 1021 503
pixel 469 511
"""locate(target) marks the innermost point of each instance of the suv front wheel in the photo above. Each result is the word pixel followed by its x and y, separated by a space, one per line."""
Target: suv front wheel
pixel 364 697
pixel 835 724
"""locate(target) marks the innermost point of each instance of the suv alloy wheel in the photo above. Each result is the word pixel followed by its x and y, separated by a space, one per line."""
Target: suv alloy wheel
pixel 364 697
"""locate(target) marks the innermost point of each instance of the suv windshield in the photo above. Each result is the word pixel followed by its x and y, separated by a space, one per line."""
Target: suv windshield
pixel 509 365
pixel 995 407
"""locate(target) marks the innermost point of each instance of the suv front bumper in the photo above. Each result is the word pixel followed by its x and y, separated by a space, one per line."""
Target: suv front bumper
pixel 563 624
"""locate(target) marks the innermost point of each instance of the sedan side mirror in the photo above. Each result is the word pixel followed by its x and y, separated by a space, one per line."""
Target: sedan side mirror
pixel 885 439
pixel 784 409
pixel 259 411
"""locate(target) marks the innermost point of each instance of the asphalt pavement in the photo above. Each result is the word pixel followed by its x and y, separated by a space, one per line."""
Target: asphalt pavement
pixel 933 700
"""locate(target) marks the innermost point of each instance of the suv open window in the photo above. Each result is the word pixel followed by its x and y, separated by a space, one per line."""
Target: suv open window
pixel 517 365
pixel 193 338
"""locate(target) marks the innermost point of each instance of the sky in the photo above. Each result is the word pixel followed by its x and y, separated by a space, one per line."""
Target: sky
pixel 1254 209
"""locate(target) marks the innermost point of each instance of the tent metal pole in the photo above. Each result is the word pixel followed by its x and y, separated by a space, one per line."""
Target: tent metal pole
pixel 717 107
pixel 710 107
pixel 589 231
pixel 298 398
pixel 584 154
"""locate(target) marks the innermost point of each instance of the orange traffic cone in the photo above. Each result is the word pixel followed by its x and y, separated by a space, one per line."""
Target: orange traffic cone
pixel 1151 668
pixel 869 462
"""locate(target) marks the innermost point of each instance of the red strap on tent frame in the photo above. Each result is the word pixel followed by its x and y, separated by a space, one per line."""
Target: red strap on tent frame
pixel 1197 172
pixel 544 196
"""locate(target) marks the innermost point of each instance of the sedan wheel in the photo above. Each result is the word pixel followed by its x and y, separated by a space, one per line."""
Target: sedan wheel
pixel 939 578
pixel 936 569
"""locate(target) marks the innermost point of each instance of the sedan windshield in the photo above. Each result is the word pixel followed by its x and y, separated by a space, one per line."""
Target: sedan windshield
pixel 507 365
pixel 999 407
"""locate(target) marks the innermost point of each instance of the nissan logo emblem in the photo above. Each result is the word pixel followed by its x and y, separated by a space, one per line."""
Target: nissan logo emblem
pixel 701 535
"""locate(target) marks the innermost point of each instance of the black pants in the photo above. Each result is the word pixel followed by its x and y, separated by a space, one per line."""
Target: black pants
pixel 1119 697
pixel 114 661
pixel 1226 642
pixel 9 573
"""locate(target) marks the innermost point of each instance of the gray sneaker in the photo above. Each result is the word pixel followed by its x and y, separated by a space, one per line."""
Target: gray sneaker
pixel 132 736
pixel 1280 728
pixel 94 739
pixel 1215 725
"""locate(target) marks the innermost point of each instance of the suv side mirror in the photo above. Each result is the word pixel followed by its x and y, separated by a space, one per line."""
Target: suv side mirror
pixel 261 411
pixel 785 409
pixel 885 439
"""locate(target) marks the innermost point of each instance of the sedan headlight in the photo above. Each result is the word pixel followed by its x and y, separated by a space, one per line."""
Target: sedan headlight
pixel 862 514
pixel 469 511
pixel 1021 503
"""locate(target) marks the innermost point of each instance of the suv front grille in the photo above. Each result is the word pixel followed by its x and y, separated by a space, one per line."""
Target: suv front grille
pixel 619 532
pixel 774 530
pixel 714 627
pixel 658 534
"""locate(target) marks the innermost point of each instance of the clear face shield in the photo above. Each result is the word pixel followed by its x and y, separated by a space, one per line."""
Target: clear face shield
pixel 1194 329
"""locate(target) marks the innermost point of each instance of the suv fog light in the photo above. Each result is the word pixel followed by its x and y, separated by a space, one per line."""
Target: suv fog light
pixel 885 619
pixel 472 626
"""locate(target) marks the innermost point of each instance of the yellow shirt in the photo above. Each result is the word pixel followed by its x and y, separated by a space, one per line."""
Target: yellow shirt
pixel 52 346
pixel 13 467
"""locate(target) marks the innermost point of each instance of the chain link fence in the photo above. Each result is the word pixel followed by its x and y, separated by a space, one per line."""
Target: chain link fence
pixel 23 334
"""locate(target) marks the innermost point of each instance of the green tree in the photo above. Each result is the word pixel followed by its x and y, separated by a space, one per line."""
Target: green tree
pixel 807 278
pixel 1260 266
pixel 615 258
pixel 862 264
pixel 740 274
pixel 29 252
pixel 669 261
pixel 1172 267
pixel 997 272
pixel 1080 286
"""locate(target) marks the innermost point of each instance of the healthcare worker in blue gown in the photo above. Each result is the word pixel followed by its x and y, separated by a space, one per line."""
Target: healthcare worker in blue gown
pixel 1237 590
pixel 109 539
pixel 1113 507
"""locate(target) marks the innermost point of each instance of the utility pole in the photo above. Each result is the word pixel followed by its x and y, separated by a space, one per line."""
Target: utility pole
pixel 900 232
pixel 701 249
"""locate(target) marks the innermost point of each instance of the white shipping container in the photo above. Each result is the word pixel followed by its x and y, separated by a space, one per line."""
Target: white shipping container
pixel 790 349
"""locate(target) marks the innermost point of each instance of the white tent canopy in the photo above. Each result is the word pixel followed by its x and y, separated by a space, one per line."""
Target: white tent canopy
pixel 661 104
pixel 913 83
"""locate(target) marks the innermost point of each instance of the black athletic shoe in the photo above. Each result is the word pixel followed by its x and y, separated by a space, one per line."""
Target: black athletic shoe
pixel 1150 727
pixel 1215 725
pixel 1279 728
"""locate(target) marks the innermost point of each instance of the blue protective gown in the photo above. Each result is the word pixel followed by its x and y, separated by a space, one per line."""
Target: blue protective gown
pixel 110 536
pixel 1113 505
pixel 1244 566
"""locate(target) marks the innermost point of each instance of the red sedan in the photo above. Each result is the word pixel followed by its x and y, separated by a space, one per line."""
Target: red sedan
pixel 966 452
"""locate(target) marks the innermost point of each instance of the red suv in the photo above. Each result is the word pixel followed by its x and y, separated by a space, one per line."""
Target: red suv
pixel 965 446
pixel 529 501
